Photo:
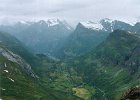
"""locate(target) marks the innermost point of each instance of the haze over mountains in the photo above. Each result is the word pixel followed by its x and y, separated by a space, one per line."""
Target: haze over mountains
pixel 50 60
pixel 37 35
pixel 53 36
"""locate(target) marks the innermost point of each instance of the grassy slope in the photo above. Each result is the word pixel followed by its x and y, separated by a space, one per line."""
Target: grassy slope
pixel 26 88
pixel 98 70
pixel 56 77
pixel 13 44
pixel 98 73
pixel 23 87
pixel 107 69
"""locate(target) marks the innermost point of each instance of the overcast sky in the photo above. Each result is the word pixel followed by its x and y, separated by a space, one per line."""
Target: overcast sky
pixel 70 10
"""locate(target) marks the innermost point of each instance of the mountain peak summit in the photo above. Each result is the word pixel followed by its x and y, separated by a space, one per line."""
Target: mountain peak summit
pixel 52 22
pixel 107 20
pixel 92 25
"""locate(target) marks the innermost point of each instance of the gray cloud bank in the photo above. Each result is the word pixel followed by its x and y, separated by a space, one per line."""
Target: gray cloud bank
pixel 71 10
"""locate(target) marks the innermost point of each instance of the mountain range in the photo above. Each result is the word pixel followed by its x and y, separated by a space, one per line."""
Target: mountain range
pixel 113 66
pixel 97 61
pixel 41 36
pixel 57 38
pixel 88 35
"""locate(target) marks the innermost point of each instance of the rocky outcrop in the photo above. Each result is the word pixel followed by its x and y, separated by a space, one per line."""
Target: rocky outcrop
pixel 17 59
pixel 132 94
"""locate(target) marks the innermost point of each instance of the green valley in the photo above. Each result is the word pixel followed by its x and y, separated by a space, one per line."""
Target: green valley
pixel 103 72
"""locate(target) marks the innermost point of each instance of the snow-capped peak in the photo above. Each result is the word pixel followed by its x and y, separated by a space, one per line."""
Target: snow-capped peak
pixel 41 22
pixel 130 21
pixel 107 20
pixel 53 22
pixel 92 25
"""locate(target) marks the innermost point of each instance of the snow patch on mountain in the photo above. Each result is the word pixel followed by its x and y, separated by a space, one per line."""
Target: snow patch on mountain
pixel 107 20
pixel 11 79
pixel 52 22
pixel 41 22
pixel 5 71
pixel 92 25
pixel 3 90
pixel 17 59
pixel 5 65
pixel 130 21
pixel 47 22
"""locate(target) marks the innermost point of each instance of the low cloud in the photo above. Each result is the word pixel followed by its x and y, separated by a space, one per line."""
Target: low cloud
pixel 72 10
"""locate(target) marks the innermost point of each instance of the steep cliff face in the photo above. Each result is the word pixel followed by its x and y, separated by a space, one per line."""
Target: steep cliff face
pixel 132 94
pixel 17 79
pixel 9 55
pixel 13 44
